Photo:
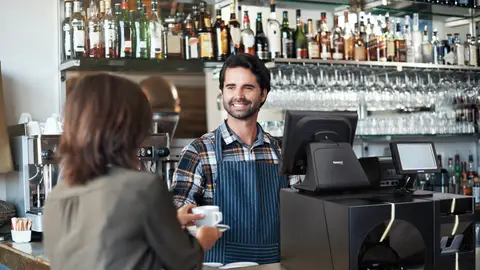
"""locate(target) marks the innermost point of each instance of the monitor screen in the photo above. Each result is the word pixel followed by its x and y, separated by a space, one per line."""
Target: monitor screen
pixel 415 156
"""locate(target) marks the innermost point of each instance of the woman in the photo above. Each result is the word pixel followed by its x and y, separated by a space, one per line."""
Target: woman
pixel 106 214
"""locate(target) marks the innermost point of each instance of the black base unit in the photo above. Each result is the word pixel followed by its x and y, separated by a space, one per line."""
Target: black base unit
pixel 376 230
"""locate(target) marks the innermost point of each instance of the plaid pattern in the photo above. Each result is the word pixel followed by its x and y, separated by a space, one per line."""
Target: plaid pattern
pixel 197 168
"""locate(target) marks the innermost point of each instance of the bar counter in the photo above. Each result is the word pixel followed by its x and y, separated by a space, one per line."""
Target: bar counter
pixel 31 256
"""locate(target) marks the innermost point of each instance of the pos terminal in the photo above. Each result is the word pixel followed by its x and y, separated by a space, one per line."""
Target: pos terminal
pixel 338 218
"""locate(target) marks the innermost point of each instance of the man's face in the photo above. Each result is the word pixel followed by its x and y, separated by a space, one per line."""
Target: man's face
pixel 241 93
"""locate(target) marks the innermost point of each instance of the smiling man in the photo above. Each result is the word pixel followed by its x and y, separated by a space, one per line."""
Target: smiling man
pixel 236 168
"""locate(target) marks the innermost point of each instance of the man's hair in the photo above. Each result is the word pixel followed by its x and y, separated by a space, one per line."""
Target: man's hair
pixel 106 119
pixel 161 93
pixel 250 62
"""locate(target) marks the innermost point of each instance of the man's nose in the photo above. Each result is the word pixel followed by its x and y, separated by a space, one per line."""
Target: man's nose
pixel 239 93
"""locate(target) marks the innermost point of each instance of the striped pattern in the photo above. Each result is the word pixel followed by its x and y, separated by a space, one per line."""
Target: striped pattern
pixel 193 179
pixel 248 195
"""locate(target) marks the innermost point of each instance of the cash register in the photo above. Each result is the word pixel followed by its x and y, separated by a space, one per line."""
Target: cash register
pixel 342 218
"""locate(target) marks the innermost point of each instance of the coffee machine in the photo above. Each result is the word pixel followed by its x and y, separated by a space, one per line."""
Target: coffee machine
pixel 37 173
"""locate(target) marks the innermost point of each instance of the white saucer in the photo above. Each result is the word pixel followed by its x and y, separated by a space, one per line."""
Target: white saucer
pixel 213 264
pixel 238 265
pixel 221 227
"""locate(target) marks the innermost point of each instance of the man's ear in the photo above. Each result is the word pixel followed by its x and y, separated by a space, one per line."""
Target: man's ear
pixel 264 95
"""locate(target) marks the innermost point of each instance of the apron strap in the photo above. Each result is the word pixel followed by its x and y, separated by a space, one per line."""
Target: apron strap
pixel 218 145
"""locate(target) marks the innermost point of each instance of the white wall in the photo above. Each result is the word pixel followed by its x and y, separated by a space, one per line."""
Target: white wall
pixel 29 58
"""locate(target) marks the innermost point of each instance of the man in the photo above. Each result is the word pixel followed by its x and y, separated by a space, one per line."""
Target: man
pixel 236 168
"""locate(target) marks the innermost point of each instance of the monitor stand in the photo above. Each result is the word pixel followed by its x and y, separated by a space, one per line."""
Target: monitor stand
pixel 332 167
pixel 406 191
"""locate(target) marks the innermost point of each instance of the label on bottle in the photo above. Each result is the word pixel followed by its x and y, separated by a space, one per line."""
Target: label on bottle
pixel 222 42
pixel 302 53
pixel 359 53
pixel 390 49
pixel 67 42
pixel 349 48
pixel 473 56
pixel 142 44
pixel 460 55
pixel 262 51
pixel 236 35
pixel 273 34
pixel 206 48
pixel 193 46
pixel 427 52
pixel 338 48
pixel 476 194
pixel 156 37
pixel 110 40
pixel 287 48
pixel 173 43
pixel 248 41
pixel 313 50
pixel 78 40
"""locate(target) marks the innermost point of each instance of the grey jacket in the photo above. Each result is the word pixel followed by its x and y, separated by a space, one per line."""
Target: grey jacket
pixel 123 220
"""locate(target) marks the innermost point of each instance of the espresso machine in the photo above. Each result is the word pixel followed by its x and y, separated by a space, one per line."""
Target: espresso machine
pixel 37 173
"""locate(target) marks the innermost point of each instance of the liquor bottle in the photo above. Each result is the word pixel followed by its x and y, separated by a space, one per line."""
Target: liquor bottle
pixel 390 40
pixel 427 49
pixel 473 53
pixel 248 39
pixel 261 40
pixel 126 33
pixel 476 190
pixel 110 32
pixel 141 33
pixel 337 41
pixel 325 38
pixel 407 35
pixel 348 39
pixel 312 44
pixel 381 42
pixel 67 32
pixel 95 44
pixel 417 38
pixel 234 32
pixel 459 51
pixel 204 37
pixel 437 49
pixel 286 38
pixel 449 52
pixel 452 175
pixel 101 4
pixel 466 46
pixel 132 15
pixel 77 23
pixel 221 46
pixel 300 39
pixel 190 43
pixel 273 33
pixel 195 16
pixel 400 45
pixel 173 36
pixel 156 33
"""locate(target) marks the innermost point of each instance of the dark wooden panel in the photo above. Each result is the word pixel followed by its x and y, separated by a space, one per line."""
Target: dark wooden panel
pixel 193 120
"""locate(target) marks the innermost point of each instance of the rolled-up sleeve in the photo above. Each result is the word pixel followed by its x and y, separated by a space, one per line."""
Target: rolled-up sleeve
pixel 188 179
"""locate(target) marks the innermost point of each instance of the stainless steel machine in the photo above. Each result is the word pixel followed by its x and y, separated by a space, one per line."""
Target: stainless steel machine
pixel 154 155
pixel 38 171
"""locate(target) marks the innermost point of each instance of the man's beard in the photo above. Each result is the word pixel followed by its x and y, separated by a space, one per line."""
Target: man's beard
pixel 252 108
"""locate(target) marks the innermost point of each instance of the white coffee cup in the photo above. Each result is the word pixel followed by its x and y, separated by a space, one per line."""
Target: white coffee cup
pixel 212 215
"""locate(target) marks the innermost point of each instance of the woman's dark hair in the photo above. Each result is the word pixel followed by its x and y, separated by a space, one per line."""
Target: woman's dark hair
pixel 106 119
pixel 251 62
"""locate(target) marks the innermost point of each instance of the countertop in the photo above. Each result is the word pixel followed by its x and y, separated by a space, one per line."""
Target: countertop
pixel 31 256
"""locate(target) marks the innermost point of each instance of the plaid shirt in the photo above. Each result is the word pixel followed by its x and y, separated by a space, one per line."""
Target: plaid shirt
pixel 197 168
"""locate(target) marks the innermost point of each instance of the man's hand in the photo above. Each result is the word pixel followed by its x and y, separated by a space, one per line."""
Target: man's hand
pixel 186 217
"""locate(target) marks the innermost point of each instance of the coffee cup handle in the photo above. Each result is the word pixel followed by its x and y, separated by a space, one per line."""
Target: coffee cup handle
pixel 219 218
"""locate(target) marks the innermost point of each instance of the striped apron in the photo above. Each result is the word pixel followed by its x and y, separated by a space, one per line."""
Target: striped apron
pixel 247 193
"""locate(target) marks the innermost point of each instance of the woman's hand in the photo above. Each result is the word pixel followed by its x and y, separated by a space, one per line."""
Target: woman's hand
pixel 207 237
pixel 186 217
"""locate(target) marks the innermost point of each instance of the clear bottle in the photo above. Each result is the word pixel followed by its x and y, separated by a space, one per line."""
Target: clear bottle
pixel 95 41
pixel 348 38
pixel 437 48
pixel 467 50
pixel 325 38
pixel 390 40
pixel 248 38
pixel 427 49
pixel 273 33
pixel 473 53
pixel 156 33
pixel 407 35
pixel 221 46
pixel 235 32
pixel 417 40
pixel 78 24
pixel 338 43
pixel 400 45
pixel 459 50
pixel 110 32
pixel 190 47
pixel 67 33
pixel 312 45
